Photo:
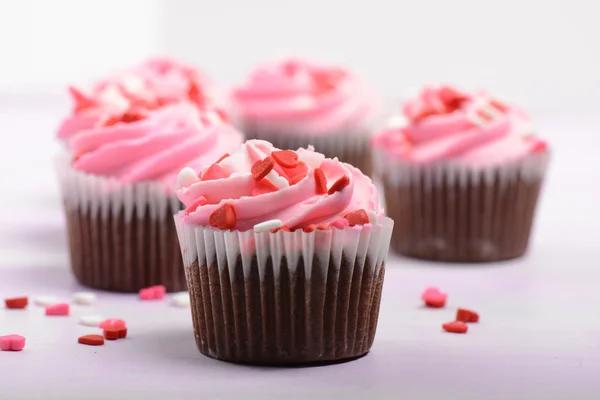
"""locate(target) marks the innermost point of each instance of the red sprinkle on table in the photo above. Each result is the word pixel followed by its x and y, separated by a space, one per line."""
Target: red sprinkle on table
pixel 16 302
pixel 285 158
pixel 339 185
pixel 464 315
pixel 223 217
pixel 455 327
pixel 224 156
pixel 113 333
pixel 297 179
pixel 91 340
pixel 261 168
pixel 358 217
pixel 321 181
pixel 213 172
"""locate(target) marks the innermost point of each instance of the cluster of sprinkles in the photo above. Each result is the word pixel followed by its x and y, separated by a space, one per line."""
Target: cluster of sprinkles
pixel 279 170
pixel 112 328
pixel 435 298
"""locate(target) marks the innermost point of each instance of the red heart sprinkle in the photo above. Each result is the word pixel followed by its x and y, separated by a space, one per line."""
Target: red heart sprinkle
pixel 281 228
pixel 339 185
pixel 200 202
pixel 264 186
pixel 435 300
pixel 285 158
pixel 297 178
pixel 310 228
pixel 321 181
pixel 301 168
pixel 213 172
pixel 195 94
pixel 224 156
pixel 261 168
pixel 91 340
pixel 113 333
pixel 464 315
pixel 358 217
pixel 16 302
pixel 223 217
pixel 455 327
pixel 133 116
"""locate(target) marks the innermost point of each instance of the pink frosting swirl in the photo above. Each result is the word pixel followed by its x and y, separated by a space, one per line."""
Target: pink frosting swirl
pixel 294 96
pixel 153 146
pixel 290 195
pixel 150 85
pixel 445 124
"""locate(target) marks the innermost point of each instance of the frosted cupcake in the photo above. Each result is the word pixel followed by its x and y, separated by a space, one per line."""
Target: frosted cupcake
pixel 461 177
pixel 148 86
pixel 284 252
pixel 295 103
pixel 118 192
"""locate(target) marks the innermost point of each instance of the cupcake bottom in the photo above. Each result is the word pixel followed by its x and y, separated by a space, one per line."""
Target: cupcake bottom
pixel 351 148
pixel 464 216
pixel 124 255
pixel 285 319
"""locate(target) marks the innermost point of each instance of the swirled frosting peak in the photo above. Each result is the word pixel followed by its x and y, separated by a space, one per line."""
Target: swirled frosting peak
pixel 446 124
pixel 150 85
pixel 139 145
pixel 295 96
pixel 284 189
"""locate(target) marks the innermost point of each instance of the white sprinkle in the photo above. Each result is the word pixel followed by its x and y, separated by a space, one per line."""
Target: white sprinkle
pixel 181 299
pixel 267 225
pixel 45 300
pixel 277 180
pixel 372 217
pixel 186 177
pixel 84 298
pixel 311 158
pixel 91 320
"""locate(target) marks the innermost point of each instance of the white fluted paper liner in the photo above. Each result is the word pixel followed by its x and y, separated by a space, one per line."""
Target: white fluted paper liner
pixel 107 196
pixel 401 174
pixel 362 243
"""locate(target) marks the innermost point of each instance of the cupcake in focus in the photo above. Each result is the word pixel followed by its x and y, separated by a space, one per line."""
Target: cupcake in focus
pixel 295 103
pixel 117 182
pixel 150 85
pixel 284 252
pixel 461 175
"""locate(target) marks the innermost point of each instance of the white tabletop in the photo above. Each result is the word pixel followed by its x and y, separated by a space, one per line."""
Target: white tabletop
pixel 539 335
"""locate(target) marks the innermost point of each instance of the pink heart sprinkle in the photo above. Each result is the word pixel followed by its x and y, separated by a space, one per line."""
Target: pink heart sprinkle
pixel 12 342
pixel 112 323
pixel 431 291
pixel 156 292
pixel 60 309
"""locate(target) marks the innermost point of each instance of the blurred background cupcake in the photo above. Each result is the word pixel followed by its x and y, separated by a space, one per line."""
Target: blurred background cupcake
pixel 462 174
pixel 150 85
pixel 285 256
pixel 294 103
pixel 117 182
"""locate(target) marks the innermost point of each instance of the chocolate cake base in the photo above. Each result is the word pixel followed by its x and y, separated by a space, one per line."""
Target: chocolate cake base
pixel 287 319
pixel 462 222
pixel 357 154
pixel 116 255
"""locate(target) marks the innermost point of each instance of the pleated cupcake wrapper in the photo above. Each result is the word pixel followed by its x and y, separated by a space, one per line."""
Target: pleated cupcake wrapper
pixel 448 212
pixel 349 147
pixel 121 236
pixel 285 297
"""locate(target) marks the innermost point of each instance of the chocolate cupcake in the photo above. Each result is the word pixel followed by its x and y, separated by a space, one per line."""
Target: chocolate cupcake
pixel 295 103
pixel 284 252
pixel 117 182
pixel 461 177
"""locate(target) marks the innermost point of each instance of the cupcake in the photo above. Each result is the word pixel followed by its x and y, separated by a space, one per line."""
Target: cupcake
pixel 295 103
pixel 461 175
pixel 150 85
pixel 284 252
pixel 117 182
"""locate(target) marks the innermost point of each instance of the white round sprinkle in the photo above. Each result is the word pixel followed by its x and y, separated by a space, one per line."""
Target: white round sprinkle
pixel 186 177
pixel 91 320
pixel 280 182
pixel 45 300
pixel 181 299
pixel 372 217
pixel 84 298
pixel 267 225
